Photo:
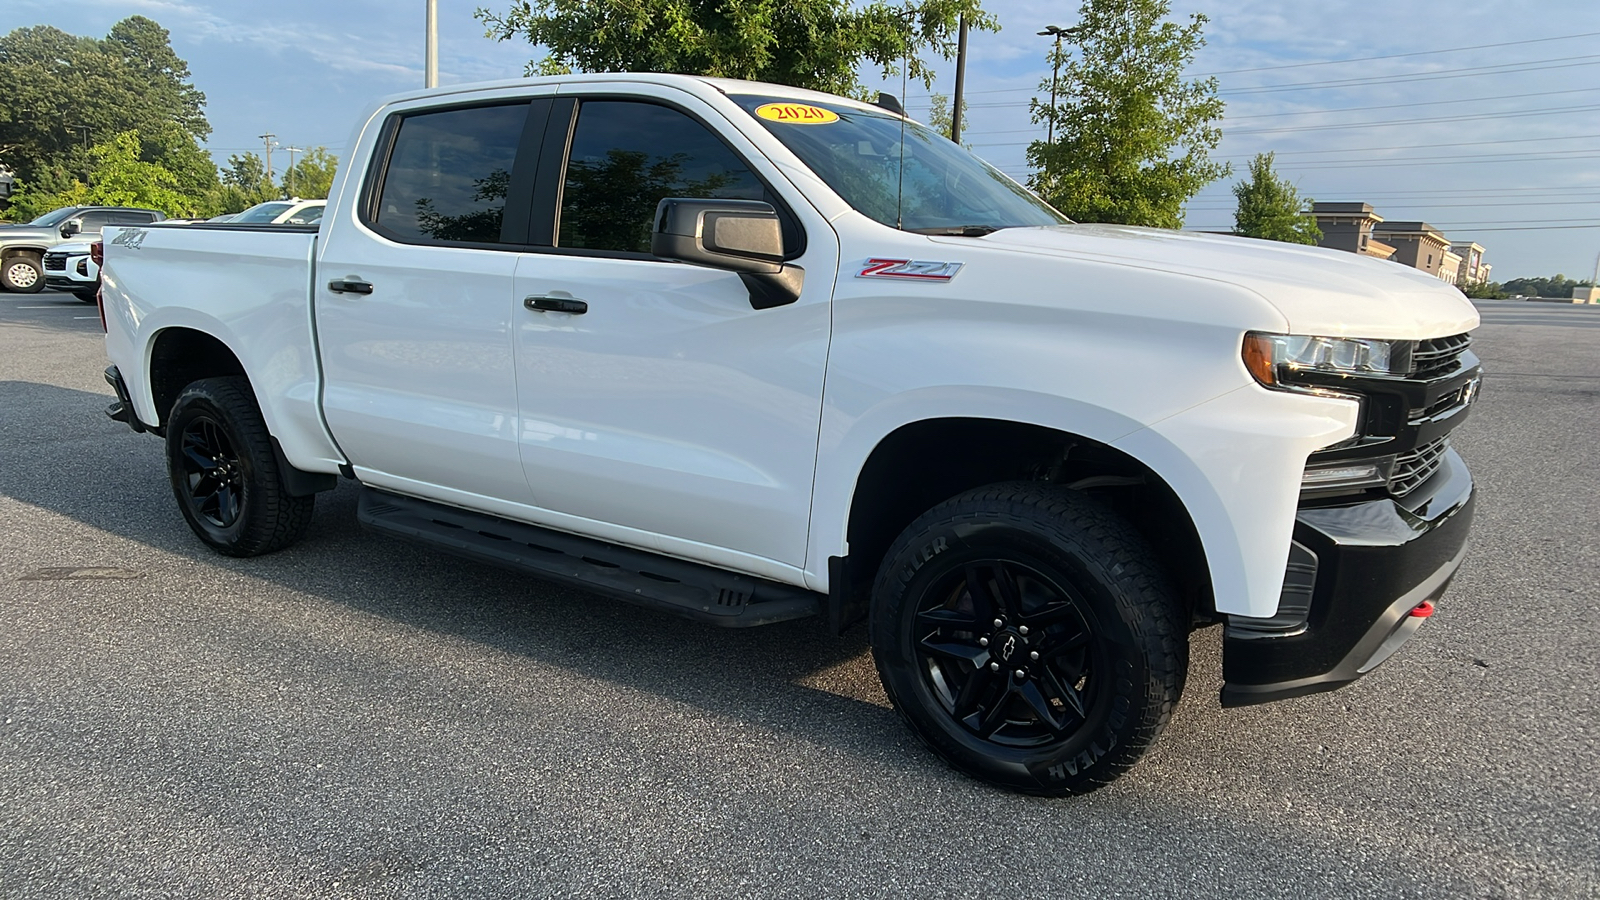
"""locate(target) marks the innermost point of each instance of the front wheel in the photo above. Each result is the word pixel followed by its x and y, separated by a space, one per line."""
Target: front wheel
pixel 1027 636
pixel 224 473
pixel 22 275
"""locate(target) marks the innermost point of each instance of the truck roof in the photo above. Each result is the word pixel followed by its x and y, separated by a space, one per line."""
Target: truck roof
pixel 691 83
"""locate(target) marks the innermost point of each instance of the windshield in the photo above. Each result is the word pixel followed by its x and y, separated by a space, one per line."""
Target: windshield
pixel 263 212
pixel 941 187
pixel 55 218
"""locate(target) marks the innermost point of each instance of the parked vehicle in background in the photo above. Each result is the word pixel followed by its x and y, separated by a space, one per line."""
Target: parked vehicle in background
pixel 71 267
pixel 748 353
pixel 22 247
pixel 293 211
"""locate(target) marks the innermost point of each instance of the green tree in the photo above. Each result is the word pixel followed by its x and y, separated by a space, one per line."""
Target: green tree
pixel 117 177
pixel 815 44
pixel 311 177
pixel 1271 208
pixel 1483 290
pixel 940 117
pixel 62 93
pixel 1132 134
pixel 1557 286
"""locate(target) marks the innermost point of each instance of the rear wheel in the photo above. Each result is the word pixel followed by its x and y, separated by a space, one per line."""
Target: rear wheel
pixel 1026 635
pixel 224 473
pixel 22 275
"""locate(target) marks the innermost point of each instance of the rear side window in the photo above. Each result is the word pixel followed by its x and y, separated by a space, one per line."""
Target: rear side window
pixel 626 156
pixel 449 174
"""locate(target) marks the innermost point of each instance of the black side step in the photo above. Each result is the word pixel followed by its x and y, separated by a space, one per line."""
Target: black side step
pixel 660 582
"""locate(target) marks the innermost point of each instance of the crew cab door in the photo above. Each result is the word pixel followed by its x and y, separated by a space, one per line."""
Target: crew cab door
pixel 669 406
pixel 414 302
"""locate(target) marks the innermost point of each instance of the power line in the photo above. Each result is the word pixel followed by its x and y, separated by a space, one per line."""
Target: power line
pixel 1334 62
pixel 1562 62
pixel 1318 112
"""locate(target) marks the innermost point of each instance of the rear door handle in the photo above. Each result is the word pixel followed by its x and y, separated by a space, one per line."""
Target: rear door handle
pixel 349 286
pixel 556 304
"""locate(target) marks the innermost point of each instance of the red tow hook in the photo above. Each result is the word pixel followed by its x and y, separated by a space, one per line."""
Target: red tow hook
pixel 1422 610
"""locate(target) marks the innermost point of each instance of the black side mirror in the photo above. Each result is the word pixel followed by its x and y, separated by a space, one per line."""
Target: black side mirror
pixel 742 236
pixel 71 227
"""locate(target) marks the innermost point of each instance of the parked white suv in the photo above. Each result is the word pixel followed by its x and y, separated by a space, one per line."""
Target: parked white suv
pixel 71 267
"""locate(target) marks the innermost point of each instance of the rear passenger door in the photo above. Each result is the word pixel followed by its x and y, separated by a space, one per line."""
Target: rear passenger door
pixel 670 414
pixel 414 301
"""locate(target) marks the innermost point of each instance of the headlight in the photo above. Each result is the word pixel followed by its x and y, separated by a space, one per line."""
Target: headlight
pixel 1278 360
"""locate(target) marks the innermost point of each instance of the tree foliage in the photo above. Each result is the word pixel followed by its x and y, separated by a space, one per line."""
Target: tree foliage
pixel 941 116
pixel 64 93
pixel 118 177
pixel 1557 286
pixel 311 177
pixel 815 44
pixel 1132 134
pixel 1483 290
pixel 1271 208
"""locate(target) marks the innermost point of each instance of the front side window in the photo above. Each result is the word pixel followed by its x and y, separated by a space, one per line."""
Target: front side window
pixel 449 173
pixel 898 172
pixel 626 157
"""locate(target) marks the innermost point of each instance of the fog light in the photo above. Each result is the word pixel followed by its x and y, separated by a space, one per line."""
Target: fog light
pixel 1347 474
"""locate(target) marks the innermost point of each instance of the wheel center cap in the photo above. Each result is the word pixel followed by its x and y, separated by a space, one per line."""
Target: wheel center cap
pixel 1005 645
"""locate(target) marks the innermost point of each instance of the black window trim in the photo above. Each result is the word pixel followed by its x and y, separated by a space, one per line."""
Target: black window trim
pixel 383 149
pixel 564 148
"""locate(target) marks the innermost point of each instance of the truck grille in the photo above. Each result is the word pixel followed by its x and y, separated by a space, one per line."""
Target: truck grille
pixel 1412 469
pixel 1438 355
pixel 55 262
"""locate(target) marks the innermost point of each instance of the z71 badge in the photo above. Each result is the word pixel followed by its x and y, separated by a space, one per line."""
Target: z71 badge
pixel 132 238
pixel 921 269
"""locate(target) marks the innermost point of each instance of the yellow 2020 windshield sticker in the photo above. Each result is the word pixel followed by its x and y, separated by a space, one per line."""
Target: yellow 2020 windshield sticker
pixel 796 114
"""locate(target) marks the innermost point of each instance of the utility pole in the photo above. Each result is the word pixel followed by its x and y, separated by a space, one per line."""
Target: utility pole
pixel 961 81
pixel 430 74
pixel 288 174
pixel 267 139
pixel 1057 32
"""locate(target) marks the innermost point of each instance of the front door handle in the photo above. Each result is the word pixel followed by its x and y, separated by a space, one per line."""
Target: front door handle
pixel 349 286
pixel 541 303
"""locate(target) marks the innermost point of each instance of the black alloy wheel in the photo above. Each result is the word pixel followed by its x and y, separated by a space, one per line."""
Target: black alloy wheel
pixel 212 472
pixel 1011 653
pixel 225 472
pixel 1027 635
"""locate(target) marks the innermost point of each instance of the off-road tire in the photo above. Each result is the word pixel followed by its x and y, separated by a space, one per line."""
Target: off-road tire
pixel 1106 624
pixel 224 473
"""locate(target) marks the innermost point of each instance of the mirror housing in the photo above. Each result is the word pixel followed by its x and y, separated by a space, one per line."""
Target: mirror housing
pixel 71 227
pixel 742 236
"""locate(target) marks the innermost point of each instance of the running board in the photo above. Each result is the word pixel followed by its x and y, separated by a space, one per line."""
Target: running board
pixel 689 589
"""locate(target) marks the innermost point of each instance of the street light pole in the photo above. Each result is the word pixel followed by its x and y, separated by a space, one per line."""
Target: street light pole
pixel 1057 32
pixel 430 74
pixel 961 81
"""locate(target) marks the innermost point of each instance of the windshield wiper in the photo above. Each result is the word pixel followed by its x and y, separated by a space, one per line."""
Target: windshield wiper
pixel 959 230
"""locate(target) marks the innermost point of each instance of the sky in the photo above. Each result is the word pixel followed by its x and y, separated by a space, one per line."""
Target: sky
pixel 1495 139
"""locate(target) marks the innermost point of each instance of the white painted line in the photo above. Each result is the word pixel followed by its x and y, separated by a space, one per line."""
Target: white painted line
pixel 86 317
pixel 43 307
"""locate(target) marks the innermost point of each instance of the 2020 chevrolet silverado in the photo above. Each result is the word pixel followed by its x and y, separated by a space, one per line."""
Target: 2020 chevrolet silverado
pixel 751 353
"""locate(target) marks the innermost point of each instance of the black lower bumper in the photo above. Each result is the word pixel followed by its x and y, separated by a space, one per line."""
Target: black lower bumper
pixel 1379 564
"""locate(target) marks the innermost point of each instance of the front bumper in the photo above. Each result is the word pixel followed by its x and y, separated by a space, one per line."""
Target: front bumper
pixel 1378 566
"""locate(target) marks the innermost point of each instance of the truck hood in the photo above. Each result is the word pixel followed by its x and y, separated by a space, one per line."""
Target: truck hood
pixel 26 233
pixel 1320 291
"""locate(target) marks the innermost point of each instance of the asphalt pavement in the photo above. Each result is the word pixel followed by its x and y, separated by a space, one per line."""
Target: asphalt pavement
pixel 356 717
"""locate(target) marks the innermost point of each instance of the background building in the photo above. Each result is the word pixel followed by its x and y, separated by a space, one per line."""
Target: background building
pixel 1349 227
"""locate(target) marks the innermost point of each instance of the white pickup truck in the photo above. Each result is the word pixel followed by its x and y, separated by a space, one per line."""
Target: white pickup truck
pixel 750 353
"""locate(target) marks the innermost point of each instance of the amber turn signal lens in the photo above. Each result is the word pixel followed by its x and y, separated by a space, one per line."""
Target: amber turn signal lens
pixel 1258 353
